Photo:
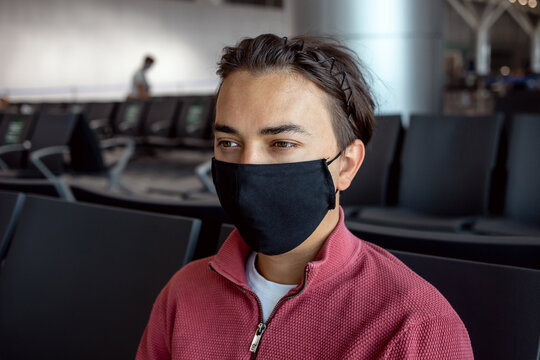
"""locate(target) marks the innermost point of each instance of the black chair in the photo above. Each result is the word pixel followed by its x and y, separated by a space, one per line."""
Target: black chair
pixel 194 122
pixel 100 115
pixel 519 251
pixel 10 208
pixel 498 304
pixel 209 212
pixel 521 209
pixel 79 280
pixel 130 118
pixel 445 172
pixel 85 151
pixel 15 130
pixel 48 130
pixel 371 185
pixel 160 119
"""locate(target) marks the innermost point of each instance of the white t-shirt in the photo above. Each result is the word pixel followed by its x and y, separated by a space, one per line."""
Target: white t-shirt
pixel 268 292
pixel 139 78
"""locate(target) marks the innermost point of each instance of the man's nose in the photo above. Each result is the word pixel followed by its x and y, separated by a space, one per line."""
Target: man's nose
pixel 251 155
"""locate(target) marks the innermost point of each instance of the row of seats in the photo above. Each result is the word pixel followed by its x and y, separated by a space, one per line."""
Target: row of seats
pixel 33 146
pixel 171 121
pixel 451 174
pixel 78 281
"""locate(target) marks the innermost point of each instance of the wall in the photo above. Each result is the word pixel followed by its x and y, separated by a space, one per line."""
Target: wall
pixel 82 49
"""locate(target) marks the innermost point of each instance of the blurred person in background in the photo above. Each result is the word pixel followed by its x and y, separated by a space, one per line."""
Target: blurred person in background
pixel 140 89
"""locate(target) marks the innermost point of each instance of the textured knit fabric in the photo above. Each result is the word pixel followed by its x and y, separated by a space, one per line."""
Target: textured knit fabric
pixel 267 291
pixel 357 302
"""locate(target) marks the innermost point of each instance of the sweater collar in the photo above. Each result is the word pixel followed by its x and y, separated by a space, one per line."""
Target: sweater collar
pixel 337 251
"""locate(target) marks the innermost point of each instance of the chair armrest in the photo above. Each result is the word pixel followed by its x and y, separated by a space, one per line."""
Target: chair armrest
pixel 203 172
pixel 59 183
pixel 116 171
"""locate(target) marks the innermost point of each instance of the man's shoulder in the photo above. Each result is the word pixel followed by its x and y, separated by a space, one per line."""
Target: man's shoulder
pixel 194 275
pixel 398 286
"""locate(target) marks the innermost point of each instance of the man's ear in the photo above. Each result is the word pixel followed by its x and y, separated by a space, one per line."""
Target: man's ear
pixel 352 158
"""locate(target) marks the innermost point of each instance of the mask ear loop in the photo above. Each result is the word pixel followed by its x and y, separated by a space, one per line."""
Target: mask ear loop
pixel 331 161
pixel 328 163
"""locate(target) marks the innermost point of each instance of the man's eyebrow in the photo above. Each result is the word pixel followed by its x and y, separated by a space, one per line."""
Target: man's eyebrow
pixel 290 128
pixel 225 129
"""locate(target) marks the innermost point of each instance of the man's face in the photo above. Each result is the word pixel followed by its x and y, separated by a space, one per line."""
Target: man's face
pixel 277 117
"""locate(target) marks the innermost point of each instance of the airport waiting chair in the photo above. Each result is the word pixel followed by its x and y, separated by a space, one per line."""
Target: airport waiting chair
pixel 15 133
pixel 159 122
pixel 497 304
pixel 521 208
pixel 79 280
pixel 522 251
pixel 445 172
pixel 130 117
pixel 208 211
pixel 372 183
pixel 10 208
pixel 194 123
pixel 85 151
pixel 100 115
pixel 42 132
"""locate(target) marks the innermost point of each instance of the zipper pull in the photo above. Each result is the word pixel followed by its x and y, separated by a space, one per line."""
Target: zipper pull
pixel 257 338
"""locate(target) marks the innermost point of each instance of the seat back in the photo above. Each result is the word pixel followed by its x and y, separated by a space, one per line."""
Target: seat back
pixel 10 207
pixel 53 130
pixel 129 119
pixel 522 251
pixel 371 184
pixel 447 162
pixel 195 118
pixel 79 280
pixel 522 200
pixel 15 129
pixel 30 186
pixel 498 304
pixel 209 212
pixel 100 110
pixel 160 118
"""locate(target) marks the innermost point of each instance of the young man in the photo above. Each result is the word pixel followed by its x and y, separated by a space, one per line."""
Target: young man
pixel 292 119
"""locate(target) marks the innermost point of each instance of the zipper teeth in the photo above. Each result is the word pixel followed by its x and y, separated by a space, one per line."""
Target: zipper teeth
pixel 261 318
pixel 288 297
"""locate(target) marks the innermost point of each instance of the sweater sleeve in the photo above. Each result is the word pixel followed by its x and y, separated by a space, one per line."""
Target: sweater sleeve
pixel 442 337
pixel 155 341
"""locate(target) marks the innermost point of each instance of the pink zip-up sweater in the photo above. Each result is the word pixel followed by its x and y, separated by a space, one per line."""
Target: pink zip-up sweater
pixel 356 301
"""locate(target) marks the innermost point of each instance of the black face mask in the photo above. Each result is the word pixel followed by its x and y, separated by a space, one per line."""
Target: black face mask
pixel 275 207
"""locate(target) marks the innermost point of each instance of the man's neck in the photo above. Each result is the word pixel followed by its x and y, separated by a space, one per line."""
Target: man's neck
pixel 289 268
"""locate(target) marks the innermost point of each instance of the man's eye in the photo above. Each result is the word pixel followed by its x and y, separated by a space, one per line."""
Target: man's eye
pixel 227 144
pixel 284 144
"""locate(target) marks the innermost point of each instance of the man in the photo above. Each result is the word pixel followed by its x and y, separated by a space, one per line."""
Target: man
pixel 292 120
pixel 140 89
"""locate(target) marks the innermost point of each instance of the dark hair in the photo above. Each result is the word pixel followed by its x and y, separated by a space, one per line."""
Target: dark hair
pixel 148 60
pixel 329 64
